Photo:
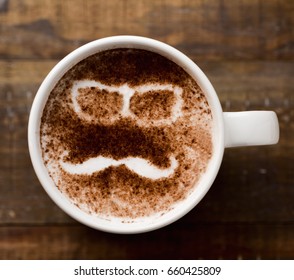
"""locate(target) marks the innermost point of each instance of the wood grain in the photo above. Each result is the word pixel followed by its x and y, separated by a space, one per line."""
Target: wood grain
pixel 179 241
pixel 253 189
pixel 246 49
pixel 208 29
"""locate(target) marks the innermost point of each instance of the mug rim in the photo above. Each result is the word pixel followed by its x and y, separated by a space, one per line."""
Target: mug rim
pixel 124 41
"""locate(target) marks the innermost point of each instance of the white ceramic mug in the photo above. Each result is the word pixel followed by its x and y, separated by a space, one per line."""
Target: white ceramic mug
pixel 229 130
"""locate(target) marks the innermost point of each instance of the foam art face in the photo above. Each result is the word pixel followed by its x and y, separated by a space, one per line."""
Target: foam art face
pixel 107 105
pixel 129 138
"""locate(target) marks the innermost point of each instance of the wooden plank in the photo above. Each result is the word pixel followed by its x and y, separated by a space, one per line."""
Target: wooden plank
pixel 179 241
pixel 208 29
pixel 254 184
pixel 24 73
pixel 245 47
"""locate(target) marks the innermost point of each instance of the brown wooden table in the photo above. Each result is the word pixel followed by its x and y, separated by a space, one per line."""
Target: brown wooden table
pixel 245 47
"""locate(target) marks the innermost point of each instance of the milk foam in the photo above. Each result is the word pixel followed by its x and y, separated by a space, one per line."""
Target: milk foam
pixel 127 92
pixel 138 165
pixel 135 153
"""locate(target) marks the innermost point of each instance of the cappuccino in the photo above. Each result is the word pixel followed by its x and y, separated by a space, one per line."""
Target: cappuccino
pixel 126 133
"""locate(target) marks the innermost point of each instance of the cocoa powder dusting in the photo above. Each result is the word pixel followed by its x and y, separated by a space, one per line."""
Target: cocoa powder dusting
pixel 155 105
pixel 117 191
pixel 117 141
pixel 99 103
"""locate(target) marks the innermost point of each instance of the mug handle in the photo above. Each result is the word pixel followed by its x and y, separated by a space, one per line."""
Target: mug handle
pixel 250 128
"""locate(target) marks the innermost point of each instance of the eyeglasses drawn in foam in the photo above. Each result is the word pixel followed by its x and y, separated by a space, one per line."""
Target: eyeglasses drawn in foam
pixel 127 92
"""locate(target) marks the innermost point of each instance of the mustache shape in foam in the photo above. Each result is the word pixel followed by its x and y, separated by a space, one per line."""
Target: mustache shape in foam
pixel 138 165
